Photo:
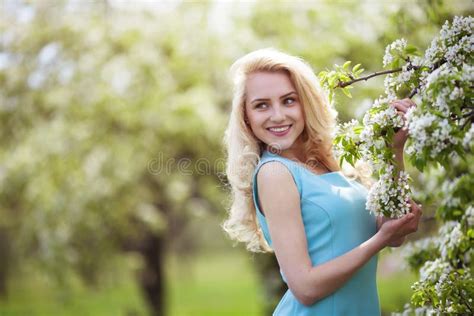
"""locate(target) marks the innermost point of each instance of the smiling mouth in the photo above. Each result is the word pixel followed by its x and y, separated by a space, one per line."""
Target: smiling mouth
pixel 279 129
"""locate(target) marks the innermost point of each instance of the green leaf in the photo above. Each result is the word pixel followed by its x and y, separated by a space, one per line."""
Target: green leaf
pixel 346 65
pixel 412 50
pixel 347 92
pixel 331 81
pixel 350 159
pixel 344 78
pixel 356 67
pixel 419 164
pixel 470 233
pixel 396 63
pixel 323 75
pixel 330 95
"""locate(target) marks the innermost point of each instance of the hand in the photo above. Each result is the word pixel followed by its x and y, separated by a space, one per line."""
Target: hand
pixel 401 136
pixel 394 231
pixel 395 243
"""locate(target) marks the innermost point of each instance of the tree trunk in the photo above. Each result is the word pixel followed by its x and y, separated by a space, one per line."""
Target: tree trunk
pixel 152 278
pixel 4 262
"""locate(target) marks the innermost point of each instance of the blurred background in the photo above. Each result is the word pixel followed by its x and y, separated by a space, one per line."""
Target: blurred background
pixel 112 184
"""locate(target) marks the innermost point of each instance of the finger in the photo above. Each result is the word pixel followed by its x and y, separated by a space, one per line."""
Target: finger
pixel 420 212
pixel 415 206
pixel 409 102
pixel 416 221
pixel 399 106
pixel 414 226
pixel 397 102
pixel 401 114
pixel 416 215
pixel 406 218
pixel 412 223
pixel 415 209
pixel 404 120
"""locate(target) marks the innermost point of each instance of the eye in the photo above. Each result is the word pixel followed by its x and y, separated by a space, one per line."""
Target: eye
pixel 261 105
pixel 289 100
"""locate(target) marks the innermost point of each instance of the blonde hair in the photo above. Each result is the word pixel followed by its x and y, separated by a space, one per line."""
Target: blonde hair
pixel 244 149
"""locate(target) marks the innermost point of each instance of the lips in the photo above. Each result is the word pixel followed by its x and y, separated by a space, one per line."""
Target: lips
pixel 280 130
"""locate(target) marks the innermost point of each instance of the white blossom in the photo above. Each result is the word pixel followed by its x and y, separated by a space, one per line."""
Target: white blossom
pixel 418 311
pixel 456 93
pixel 347 129
pixel 421 244
pixel 397 46
pixel 469 215
pixel 454 43
pixel 444 78
pixel 389 194
pixel 467 72
pixel 394 81
pixel 451 236
pixel 431 270
pixel 468 138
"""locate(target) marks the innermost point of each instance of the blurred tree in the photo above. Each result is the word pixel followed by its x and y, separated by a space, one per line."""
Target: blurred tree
pixel 111 118
pixel 110 132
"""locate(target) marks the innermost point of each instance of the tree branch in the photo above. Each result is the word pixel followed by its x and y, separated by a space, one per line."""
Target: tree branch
pixel 469 115
pixel 465 301
pixel 342 84
pixel 433 68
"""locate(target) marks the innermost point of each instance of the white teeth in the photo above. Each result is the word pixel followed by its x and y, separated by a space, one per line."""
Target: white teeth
pixel 279 129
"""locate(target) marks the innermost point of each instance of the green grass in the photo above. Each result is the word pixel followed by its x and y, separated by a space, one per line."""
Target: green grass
pixel 216 284
pixel 209 284
pixel 33 295
pixel 395 291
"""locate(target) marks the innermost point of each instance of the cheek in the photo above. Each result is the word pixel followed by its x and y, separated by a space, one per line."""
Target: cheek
pixel 248 115
pixel 298 115
pixel 254 119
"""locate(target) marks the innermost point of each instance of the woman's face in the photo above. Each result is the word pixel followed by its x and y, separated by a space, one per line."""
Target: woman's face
pixel 274 112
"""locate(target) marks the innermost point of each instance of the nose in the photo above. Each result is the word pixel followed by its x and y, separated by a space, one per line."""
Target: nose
pixel 277 115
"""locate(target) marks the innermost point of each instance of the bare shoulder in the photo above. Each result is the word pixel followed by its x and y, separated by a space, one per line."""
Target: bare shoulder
pixel 273 171
pixel 276 186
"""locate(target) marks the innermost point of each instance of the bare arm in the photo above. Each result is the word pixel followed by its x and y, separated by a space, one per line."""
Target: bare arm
pixel 279 198
pixel 399 143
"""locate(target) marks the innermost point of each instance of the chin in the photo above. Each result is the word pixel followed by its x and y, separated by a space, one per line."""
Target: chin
pixel 281 146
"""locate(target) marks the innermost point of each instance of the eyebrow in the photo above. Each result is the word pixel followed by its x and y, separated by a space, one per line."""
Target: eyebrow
pixel 283 96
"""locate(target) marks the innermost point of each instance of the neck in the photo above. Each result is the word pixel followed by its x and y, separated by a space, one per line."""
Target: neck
pixel 295 152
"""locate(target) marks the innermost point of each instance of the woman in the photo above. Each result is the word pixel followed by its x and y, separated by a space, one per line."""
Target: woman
pixel 290 196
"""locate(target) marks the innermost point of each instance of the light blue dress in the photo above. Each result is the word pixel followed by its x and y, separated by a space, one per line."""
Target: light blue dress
pixel 335 221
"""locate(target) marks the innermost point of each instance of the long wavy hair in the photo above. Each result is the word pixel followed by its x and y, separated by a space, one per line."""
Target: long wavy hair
pixel 244 150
